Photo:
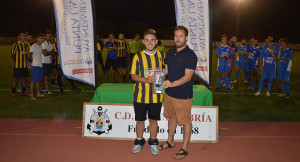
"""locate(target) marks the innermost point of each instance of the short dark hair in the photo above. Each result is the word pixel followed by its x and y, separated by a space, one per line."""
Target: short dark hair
pixel 47 32
pixel 284 40
pixel 39 35
pixel 223 36
pixel 150 31
pixel 272 41
pixel 22 32
pixel 27 33
pixel 186 31
pixel 243 39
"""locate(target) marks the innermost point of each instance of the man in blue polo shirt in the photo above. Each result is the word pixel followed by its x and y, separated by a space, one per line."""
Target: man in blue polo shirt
pixel 285 57
pixel 242 52
pixel 112 57
pixel 223 53
pixel 268 70
pixel 252 63
pixel 180 66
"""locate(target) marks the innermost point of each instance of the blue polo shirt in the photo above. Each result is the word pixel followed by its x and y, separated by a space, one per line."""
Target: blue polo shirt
pixel 112 54
pixel 177 63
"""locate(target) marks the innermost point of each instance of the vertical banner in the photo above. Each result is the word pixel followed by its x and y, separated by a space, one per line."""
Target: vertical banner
pixel 195 16
pixel 75 39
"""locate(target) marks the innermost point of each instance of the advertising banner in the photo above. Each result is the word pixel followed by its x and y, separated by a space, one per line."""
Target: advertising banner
pixel 75 39
pixel 111 121
pixel 194 15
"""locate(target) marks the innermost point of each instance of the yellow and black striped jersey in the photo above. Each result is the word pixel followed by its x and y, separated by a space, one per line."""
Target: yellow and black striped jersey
pixel 145 65
pixel 122 48
pixel 20 51
pixel 55 58
pixel 99 47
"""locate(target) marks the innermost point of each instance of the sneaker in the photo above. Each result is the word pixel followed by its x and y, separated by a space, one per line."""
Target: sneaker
pixel 13 95
pixel 19 90
pixel 249 88
pixel 55 86
pixel 221 81
pixel 136 149
pixel 230 87
pixel 287 96
pixel 235 81
pixel 257 93
pixel 268 94
pixel 282 95
pixel 217 89
pixel 223 85
pixel 154 149
pixel 246 81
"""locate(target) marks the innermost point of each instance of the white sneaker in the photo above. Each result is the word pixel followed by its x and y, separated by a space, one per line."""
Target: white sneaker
pixel 136 149
pixel 268 94
pixel 154 149
pixel 257 93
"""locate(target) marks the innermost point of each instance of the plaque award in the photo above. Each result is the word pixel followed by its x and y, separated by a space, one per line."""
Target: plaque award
pixel 157 85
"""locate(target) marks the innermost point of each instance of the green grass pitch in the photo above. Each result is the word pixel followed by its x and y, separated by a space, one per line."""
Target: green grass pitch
pixel 238 105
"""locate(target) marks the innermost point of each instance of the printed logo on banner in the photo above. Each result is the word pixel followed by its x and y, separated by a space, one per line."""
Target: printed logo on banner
pixel 88 61
pixel 99 122
pixel 202 59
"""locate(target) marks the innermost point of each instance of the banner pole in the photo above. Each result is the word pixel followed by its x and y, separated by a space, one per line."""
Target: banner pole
pixel 95 43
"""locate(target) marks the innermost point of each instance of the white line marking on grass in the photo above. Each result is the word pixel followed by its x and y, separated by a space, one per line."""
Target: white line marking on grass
pixel 57 90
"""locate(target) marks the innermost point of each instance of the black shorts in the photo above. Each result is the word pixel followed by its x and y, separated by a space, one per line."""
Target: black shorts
pixel 111 62
pixel 141 109
pixel 122 62
pixel 100 59
pixel 20 72
pixel 47 68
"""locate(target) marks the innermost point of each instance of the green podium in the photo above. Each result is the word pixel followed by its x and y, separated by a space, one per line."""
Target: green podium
pixel 122 93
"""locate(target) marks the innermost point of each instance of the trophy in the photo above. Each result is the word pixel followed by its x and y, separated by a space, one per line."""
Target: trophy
pixel 157 85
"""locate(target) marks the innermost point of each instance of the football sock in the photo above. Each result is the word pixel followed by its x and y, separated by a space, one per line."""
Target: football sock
pixel 254 84
pixel 246 75
pixel 283 87
pixel 237 75
pixel 270 85
pixel 261 83
pixel 218 81
pixel 226 82
pixel 288 88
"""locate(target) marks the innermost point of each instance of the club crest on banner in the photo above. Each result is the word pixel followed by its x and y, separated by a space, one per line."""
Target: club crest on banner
pixel 99 122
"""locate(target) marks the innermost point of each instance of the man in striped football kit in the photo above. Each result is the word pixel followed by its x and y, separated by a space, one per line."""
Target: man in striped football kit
pixel 144 65
pixel 122 56
pixel 19 54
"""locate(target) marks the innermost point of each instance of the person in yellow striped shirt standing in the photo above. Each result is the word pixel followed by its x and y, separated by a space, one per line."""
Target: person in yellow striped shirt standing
pixel 122 56
pixel 19 53
pixel 56 65
pixel 144 65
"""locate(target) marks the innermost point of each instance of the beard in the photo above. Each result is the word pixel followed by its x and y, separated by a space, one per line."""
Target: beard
pixel 179 44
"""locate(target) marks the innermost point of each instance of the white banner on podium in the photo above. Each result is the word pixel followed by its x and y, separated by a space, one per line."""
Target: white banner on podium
pixel 112 121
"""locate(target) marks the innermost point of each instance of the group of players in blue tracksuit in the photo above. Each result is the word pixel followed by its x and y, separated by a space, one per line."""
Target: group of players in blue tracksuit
pixel 251 58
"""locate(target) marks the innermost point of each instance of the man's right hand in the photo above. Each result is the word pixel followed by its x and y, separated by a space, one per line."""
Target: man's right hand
pixel 151 79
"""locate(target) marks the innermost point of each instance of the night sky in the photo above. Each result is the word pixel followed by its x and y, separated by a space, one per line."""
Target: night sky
pixel 280 18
